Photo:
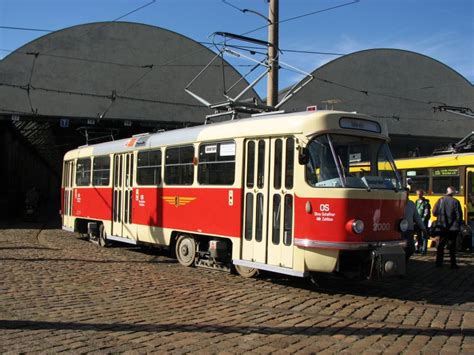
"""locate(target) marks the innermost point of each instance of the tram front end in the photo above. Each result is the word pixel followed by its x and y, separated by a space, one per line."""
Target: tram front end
pixel 349 213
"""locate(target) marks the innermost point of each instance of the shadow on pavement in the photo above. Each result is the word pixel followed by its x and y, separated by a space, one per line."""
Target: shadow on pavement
pixel 40 223
pixel 213 328
pixel 423 283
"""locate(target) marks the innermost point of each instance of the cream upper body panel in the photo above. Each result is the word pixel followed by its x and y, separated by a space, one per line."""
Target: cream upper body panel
pixel 304 124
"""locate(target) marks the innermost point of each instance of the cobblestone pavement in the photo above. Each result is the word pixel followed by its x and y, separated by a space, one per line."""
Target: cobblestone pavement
pixel 59 292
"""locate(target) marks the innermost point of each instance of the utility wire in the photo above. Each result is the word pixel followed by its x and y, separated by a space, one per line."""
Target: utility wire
pixel 101 96
pixel 133 11
pixel 139 66
pixel 312 52
pixel 303 15
pixel 28 87
pixel 209 46
pixel 120 17
pixel 364 92
pixel 370 92
pixel 24 29
pixel 43 30
pixel 394 117
pixel 251 48
pixel 232 5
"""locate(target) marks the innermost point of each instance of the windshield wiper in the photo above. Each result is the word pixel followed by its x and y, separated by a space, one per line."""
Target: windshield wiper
pixel 366 184
pixel 342 168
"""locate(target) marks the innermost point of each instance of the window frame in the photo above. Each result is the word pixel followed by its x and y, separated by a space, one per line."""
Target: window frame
pixel 77 171
pixel 459 186
pixel 201 164
pixel 429 175
pixel 94 170
pixel 179 165
pixel 160 166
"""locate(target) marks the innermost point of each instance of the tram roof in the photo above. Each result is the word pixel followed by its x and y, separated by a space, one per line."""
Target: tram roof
pixel 306 123
pixel 436 161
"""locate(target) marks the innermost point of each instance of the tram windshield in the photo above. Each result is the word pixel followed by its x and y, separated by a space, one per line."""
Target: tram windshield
pixel 336 160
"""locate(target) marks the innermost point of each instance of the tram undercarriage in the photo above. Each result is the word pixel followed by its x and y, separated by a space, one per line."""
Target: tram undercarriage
pixel 378 261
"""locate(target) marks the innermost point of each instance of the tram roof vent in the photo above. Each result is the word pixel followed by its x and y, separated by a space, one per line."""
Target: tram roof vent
pixel 140 134
pixel 268 113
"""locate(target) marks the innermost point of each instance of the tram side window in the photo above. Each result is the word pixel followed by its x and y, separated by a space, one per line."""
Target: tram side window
pixel 83 172
pixel 149 168
pixel 418 179
pixel 444 177
pixel 179 168
pixel 101 171
pixel 217 163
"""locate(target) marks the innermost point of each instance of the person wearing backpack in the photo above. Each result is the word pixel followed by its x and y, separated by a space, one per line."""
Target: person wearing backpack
pixel 424 211
pixel 449 216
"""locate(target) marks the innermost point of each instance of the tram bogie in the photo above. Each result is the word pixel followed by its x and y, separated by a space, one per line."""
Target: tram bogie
pixel 288 193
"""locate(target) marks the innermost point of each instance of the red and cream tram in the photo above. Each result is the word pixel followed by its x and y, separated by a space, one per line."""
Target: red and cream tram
pixel 272 192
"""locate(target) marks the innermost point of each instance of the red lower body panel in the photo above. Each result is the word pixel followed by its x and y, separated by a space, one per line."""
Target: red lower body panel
pixel 330 219
pixel 209 211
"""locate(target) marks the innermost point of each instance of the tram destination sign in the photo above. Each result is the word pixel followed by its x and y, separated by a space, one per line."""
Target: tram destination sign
pixel 446 172
pixel 360 124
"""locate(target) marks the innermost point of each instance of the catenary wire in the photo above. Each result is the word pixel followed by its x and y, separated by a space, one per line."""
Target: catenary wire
pixel 366 92
pixel 210 45
pixel 88 60
pixel 24 29
pixel 303 15
pixel 135 10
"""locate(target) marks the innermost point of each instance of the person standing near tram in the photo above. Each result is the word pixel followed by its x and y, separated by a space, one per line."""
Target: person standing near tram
pixel 448 224
pixel 412 217
pixel 423 208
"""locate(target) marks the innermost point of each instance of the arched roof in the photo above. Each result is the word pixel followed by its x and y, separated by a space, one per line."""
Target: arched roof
pixel 117 69
pixel 402 86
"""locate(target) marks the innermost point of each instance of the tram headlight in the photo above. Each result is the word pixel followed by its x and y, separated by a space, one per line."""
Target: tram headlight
pixel 358 226
pixel 403 225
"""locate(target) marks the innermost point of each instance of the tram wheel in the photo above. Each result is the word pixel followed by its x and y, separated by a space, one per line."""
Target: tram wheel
pixel 245 271
pixel 103 242
pixel 185 250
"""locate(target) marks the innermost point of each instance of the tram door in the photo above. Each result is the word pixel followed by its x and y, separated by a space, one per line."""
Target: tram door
pixel 68 192
pixel 268 204
pixel 280 221
pixel 122 196
pixel 256 200
pixel 470 196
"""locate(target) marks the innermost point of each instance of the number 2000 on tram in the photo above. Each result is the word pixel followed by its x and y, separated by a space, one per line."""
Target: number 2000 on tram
pixel 274 192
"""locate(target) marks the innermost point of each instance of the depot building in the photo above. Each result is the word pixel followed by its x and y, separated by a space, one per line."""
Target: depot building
pixel 110 80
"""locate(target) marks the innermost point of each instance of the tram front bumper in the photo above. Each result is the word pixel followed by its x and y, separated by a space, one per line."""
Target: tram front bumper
pixel 387 261
pixel 369 259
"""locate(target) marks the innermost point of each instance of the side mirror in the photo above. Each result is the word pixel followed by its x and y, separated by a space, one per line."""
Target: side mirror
pixel 303 157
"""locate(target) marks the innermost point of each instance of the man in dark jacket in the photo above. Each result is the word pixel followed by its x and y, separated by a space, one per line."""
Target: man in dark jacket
pixel 448 211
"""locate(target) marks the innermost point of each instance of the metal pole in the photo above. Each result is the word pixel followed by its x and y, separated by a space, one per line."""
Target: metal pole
pixel 272 85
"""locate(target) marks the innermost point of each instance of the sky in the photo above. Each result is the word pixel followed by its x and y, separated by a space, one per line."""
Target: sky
pixel 441 29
